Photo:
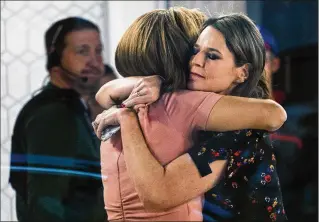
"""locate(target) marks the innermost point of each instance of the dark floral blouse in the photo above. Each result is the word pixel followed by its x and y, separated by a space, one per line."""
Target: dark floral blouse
pixel 249 190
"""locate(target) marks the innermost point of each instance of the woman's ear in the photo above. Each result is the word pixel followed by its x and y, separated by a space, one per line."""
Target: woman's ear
pixel 242 73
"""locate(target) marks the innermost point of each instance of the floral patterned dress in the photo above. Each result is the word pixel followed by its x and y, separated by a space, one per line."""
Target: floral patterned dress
pixel 249 190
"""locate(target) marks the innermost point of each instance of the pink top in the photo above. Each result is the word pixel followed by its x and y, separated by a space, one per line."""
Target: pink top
pixel 168 126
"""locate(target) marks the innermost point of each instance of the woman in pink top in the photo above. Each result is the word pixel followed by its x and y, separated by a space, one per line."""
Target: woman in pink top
pixel 170 125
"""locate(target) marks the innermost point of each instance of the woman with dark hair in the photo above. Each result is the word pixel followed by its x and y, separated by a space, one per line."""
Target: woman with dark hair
pixel 163 182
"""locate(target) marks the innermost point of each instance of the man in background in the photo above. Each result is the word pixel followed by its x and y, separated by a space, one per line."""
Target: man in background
pixel 296 145
pixel 95 108
pixel 272 63
pixel 109 75
pixel 55 160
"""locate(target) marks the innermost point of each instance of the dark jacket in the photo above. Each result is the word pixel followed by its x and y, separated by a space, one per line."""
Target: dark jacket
pixel 55 160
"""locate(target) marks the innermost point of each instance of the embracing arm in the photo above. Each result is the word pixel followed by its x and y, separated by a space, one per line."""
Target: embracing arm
pixel 142 90
pixel 118 89
pixel 229 113
pixel 234 113
pixel 162 187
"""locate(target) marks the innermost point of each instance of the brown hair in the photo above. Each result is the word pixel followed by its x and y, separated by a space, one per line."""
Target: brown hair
pixel 159 42
pixel 245 42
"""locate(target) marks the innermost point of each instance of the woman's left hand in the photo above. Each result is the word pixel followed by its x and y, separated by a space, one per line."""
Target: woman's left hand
pixel 110 117
pixel 145 92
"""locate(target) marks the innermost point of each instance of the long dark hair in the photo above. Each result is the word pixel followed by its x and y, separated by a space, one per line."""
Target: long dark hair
pixel 245 42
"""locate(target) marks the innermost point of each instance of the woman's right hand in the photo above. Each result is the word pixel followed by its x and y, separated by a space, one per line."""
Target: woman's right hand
pixel 145 92
pixel 110 117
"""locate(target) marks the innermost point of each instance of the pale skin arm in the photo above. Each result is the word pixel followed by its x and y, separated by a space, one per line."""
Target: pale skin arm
pixel 118 89
pixel 162 187
pixel 230 112
pixel 121 89
pixel 234 113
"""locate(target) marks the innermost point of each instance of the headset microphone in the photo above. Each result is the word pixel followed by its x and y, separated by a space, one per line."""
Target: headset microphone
pixel 74 75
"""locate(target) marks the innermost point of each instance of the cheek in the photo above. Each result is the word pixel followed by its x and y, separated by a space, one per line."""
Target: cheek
pixel 216 84
pixel 101 63
pixel 226 83
pixel 219 81
pixel 75 62
pixel 100 59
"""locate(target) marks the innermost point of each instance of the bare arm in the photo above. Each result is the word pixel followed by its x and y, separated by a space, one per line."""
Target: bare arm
pixel 230 112
pixel 143 90
pixel 160 187
pixel 118 89
pixel 234 113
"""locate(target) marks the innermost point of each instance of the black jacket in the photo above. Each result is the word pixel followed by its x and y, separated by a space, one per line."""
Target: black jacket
pixel 55 160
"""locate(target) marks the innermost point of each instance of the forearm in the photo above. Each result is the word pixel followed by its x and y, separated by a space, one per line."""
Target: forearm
pixel 118 89
pixel 161 187
pixel 143 168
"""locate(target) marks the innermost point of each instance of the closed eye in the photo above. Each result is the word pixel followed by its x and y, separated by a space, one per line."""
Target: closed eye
pixel 195 51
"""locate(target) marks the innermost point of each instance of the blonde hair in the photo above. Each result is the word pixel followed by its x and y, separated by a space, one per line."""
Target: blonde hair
pixel 159 42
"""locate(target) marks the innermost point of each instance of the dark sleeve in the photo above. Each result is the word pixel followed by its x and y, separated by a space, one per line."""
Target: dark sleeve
pixel 201 160
pixel 49 132
pixel 211 146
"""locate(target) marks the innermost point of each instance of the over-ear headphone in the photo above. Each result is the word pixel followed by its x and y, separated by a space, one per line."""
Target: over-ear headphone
pixel 53 56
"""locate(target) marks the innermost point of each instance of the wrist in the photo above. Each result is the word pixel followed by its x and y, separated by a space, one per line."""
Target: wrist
pixel 125 114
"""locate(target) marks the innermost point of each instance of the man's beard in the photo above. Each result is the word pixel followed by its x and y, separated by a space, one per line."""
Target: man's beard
pixel 88 87
pixel 82 84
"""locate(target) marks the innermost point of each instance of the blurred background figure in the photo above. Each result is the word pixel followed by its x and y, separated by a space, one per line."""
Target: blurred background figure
pixel 286 144
pixel 95 108
pixel 296 143
pixel 109 75
pixel 55 167
pixel 272 63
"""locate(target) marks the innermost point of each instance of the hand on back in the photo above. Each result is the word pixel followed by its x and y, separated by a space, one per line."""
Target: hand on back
pixel 145 92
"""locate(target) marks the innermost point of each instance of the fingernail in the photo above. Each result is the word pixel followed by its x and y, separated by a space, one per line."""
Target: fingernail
pixel 123 105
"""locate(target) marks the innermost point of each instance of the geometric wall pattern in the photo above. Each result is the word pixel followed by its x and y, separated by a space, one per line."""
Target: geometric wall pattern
pixel 23 24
